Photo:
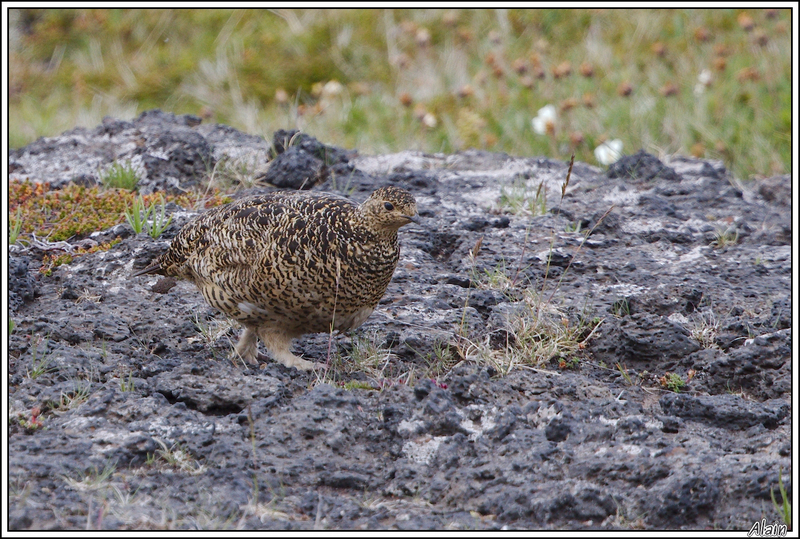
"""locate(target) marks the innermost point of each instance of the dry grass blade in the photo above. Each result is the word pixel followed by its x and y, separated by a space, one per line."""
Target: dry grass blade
pixel 476 249
pixel 569 173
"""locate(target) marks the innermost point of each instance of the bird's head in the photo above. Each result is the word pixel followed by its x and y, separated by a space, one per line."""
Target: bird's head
pixel 389 208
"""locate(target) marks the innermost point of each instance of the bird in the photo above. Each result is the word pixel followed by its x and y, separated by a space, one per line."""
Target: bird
pixel 288 263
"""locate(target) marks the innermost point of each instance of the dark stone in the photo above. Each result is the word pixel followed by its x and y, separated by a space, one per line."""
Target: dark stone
pixel 670 424
pixel 687 501
pixel 646 337
pixel 164 285
pixel 558 429
pixel 21 286
pixel 440 413
pixel 283 141
pixel 776 189
pixel 293 169
pixel 642 166
pixel 344 479
pixel 463 282
pixel 726 411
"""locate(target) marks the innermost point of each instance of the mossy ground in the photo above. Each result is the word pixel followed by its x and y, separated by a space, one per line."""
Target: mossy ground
pixel 76 211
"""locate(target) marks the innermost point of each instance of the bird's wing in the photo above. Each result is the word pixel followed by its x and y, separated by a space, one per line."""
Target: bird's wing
pixel 239 234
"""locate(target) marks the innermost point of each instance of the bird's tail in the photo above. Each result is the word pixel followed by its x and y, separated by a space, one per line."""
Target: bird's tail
pixel 155 268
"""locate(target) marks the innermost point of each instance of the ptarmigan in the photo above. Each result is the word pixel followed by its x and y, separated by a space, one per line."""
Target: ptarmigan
pixel 289 263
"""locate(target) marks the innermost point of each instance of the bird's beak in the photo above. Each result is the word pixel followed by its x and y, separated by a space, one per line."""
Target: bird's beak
pixel 413 218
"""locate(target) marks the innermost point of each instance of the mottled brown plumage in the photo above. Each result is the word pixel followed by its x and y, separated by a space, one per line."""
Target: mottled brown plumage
pixel 289 263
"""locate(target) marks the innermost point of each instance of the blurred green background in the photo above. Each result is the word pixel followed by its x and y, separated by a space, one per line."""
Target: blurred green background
pixel 710 83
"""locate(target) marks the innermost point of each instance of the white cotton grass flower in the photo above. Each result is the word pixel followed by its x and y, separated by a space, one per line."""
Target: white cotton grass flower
pixel 704 80
pixel 545 121
pixel 608 152
pixel 429 120
pixel 329 92
pixel 332 88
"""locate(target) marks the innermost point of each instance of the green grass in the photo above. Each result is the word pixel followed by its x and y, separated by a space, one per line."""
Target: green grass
pixel 784 509
pixel 724 238
pixel 94 480
pixel 517 198
pixel 151 219
pixel 40 362
pixel 433 80
pixel 74 398
pixel 574 228
pixel 15 226
pixel 137 215
pixel 625 374
pixel 159 221
pixel 621 308
pixel 127 385
pixel 120 176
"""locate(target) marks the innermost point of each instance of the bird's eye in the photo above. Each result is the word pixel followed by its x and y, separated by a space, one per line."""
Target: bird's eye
pixel 388 205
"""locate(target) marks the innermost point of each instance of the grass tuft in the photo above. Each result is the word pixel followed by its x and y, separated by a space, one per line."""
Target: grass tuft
pixel 705 328
pixel 177 457
pixel 127 385
pixel 74 398
pixel 40 362
pixel 137 215
pixel 94 480
pixel 146 218
pixel 15 226
pixel 518 199
pixel 724 238
pixel 120 176
pixel 784 509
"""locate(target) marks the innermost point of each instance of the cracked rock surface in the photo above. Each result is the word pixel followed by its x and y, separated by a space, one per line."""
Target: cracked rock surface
pixel 125 412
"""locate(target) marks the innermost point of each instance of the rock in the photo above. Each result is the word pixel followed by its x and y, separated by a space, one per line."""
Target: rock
pixel 228 394
pixel 167 152
pixel 776 189
pixel 761 368
pixel 293 169
pixel 301 161
pixel 688 500
pixel 725 411
pixel 646 337
pixel 641 166
pixel 419 422
pixel 21 286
